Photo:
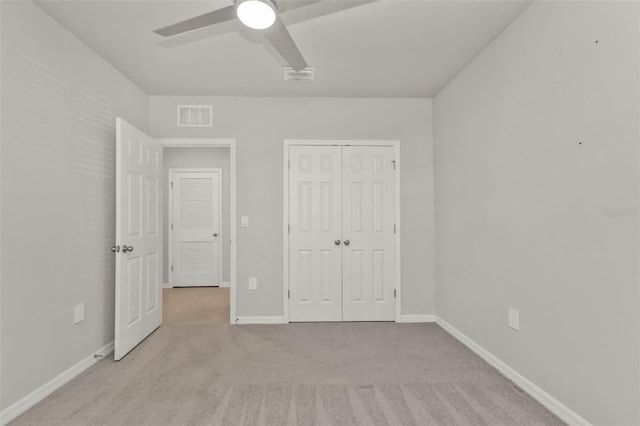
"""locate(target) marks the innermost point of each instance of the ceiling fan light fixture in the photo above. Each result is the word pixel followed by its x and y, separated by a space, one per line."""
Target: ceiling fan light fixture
pixel 256 14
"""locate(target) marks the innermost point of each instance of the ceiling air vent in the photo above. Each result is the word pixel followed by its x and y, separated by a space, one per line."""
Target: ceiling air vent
pixel 195 116
pixel 308 74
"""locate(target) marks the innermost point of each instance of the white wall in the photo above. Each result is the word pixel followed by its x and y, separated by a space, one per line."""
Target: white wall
pixel 536 144
pixel 211 158
pixel 59 102
pixel 260 125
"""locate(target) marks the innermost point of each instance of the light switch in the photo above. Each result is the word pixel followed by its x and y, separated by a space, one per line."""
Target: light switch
pixel 78 313
pixel 514 319
pixel 244 221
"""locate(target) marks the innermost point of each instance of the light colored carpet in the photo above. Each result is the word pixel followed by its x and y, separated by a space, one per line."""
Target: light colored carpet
pixel 304 374
pixel 195 306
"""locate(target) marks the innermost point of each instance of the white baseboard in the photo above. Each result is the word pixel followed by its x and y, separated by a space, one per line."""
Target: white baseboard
pixel 19 407
pixel 225 285
pixel 556 407
pixel 260 320
pixel 166 285
pixel 417 318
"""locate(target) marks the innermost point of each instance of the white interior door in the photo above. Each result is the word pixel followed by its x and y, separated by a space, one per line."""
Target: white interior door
pixel 342 234
pixel 368 233
pixel 195 257
pixel 138 237
pixel 316 233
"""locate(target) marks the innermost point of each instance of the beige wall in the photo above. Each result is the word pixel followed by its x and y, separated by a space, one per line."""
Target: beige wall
pixel 537 186
pixel 59 103
pixel 260 125
pixel 211 158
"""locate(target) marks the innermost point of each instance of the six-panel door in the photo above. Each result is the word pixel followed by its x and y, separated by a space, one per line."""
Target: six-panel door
pixel 315 236
pixel 342 246
pixel 138 309
pixel 368 226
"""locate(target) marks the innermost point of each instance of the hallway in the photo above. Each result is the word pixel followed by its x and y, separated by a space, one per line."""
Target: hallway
pixel 195 306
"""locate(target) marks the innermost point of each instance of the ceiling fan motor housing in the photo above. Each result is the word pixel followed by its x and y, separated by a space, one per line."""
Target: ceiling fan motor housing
pixel 256 14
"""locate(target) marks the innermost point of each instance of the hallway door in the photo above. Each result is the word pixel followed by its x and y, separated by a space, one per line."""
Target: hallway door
pixel 195 227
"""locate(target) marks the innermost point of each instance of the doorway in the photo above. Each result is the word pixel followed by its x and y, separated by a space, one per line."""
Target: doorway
pixel 201 246
pixel 139 232
pixel 342 222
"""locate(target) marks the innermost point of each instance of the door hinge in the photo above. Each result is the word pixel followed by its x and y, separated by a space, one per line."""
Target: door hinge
pixel 394 293
pixel 288 229
pixel 289 294
pixel 289 164
pixel 394 229
pixel 394 164
pixel 171 184
pixel 171 268
pixel 172 226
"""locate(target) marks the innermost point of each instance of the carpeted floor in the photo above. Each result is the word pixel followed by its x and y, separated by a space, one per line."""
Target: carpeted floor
pixel 208 373
pixel 195 306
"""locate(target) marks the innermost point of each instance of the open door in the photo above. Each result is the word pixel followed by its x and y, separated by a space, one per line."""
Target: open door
pixel 138 246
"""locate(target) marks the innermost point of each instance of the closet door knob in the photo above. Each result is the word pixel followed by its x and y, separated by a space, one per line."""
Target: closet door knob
pixel 126 248
pixel 347 242
pixel 337 242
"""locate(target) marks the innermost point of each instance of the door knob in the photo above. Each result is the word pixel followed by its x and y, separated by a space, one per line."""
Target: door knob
pixel 347 242
pixel 337 242
pixel 126 248
pixel 115 249
pixel 215 234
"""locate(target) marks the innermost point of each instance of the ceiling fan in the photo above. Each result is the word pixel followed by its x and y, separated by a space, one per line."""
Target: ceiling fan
pixel 264 16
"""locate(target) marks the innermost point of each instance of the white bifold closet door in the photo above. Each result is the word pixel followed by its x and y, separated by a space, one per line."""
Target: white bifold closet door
pixel 342 246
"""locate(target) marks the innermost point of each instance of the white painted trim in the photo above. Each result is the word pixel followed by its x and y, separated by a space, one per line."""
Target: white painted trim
pixel 398 239
pixel 170 208
pixel 411 318
pixel 556 407
pixel 234 240
pixel 220 143
pixel 21 406
pixel 344 142
pixel 167 285
pixel 285 234
pixel 196 143
pixel 225 284
pixel 260 320
pixel 285 213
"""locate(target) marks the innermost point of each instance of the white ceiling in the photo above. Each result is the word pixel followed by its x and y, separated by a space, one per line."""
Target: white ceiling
pixel 388 48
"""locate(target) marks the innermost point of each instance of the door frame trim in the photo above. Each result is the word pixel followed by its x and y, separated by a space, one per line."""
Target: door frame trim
pixel 219 143
pixel 285 212
pixel 170 214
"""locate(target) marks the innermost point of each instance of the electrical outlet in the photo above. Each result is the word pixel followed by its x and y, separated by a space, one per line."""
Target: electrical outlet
pixel 514 319
pixel 78 313
pixel 253 283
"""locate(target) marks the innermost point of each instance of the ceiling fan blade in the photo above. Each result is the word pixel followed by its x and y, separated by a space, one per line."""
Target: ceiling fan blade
pixel 285 6
pixel 300 11
pixel 281 40
pixel 217 16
